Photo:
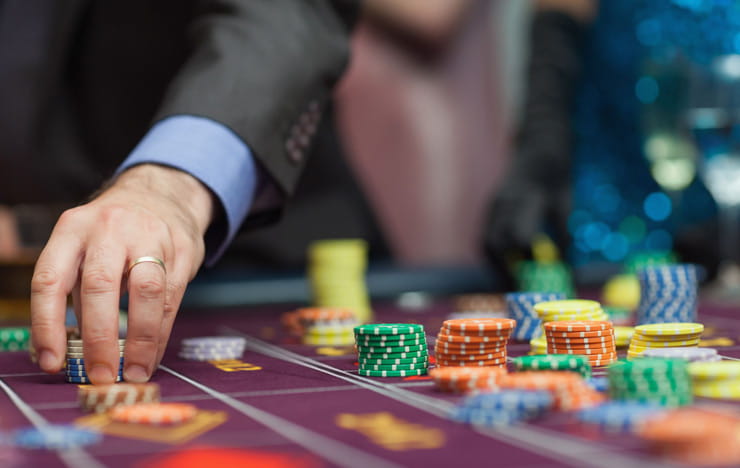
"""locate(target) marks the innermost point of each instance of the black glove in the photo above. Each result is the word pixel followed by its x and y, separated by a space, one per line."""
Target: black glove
pixel 536 194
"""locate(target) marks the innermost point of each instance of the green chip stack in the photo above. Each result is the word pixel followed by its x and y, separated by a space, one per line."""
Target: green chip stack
pixel 552 277
pixel 336 271
pixel 659 381
pixel 391 350
pixel 554 362
pixel 649 258
pixel 14 338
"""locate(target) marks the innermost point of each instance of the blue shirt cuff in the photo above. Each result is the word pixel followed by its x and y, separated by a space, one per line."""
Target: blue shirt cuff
pixel 213 154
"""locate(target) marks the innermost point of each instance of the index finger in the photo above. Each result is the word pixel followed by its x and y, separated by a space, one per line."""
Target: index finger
pixel 53 278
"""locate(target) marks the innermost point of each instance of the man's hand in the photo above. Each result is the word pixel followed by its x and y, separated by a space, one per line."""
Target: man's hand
pixel 148 211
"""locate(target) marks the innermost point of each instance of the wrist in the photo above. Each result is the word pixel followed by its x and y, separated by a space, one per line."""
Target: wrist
pixel 181 188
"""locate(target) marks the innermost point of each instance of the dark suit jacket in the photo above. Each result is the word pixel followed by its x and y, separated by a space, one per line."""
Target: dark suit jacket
pixel 81 81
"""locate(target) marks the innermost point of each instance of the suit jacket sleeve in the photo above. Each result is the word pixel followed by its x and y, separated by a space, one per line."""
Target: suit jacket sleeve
pixel 265 69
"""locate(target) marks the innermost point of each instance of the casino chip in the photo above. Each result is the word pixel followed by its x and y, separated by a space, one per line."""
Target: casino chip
pixel 694 437
pixel 473 342
pixel 568 389
pixel 14 338
pixel 658 381
pixel 466 379
pixel 55 437
pixel 520 307
pixel 619 416
pixel 75 371
pixel 668 293
pixel 691 354
pixel 212 348
pixel 554 362
pixel 664 335
pixel 545 276
pixel 336 273
pixel 101 398
pixel 716 379
pixel 155 414
pixel 502 408
pixel 391 350
pixel 593 339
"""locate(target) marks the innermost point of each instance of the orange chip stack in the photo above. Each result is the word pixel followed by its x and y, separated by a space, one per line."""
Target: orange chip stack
pixel 473 342
pixel 569 391
pixel 466 379
pixel 155 414
pixel 593 339
pixel 302 321
pixel 696 437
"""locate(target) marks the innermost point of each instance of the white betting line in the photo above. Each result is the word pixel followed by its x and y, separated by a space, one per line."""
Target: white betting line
pixel 73 457
pixel 332 450
pixel 541 441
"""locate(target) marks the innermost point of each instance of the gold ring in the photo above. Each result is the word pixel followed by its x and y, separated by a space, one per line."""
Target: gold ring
pixel 146 259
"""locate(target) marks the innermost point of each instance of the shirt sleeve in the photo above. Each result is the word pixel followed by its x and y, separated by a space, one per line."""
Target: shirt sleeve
pixel 213 154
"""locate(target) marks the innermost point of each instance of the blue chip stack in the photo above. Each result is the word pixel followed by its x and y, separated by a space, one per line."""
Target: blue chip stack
pixel 520 307
pixel 668 293
pixel 55 437
pixel 75 371
pixel 619 416
pixel 502 408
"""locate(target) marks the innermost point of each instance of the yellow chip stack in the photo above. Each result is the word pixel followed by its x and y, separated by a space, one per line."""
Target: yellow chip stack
pixel 336 273
pixel 664 335
pixel 538 345
pixel 622 336
pixel 570 309
pixel 716 379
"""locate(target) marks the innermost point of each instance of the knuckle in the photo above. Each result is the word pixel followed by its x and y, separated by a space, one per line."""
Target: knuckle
pixel 96 281
pixel 45 278
pixel 149 289
pixel 144 337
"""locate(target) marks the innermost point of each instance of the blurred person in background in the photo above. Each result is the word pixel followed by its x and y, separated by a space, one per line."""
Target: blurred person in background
pixel 420 114
pixel 604 160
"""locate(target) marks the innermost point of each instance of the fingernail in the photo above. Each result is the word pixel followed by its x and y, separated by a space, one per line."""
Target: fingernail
pixel 48 361
pixel 135 373
pixel 100 374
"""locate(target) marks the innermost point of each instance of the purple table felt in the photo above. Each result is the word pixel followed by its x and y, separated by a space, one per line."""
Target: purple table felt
pixel 307 406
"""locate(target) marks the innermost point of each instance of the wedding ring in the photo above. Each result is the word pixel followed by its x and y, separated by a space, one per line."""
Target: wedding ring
pixel 146 259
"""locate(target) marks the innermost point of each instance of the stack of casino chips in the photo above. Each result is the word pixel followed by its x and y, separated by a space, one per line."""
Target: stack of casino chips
pixel 554 362
pixel 664 335
pixel 668 293
pixel 620 416
pixel 538 345
pixel 14 338
pixel 473 342
pixel 336 271
pixel 212 348
pixel 75 369
pixel 154 414
pixel 694 436
pixel 568 389
pixel 659 381
pixel 716 379
pixel 322 326
pixel 592 339
pixel 688 353
pixel 520 307
pixel 101 398
pixel 503 408
pixel 570 309
pixel 466 379
pixel 545 276
pixel 478 306
pixel 391 350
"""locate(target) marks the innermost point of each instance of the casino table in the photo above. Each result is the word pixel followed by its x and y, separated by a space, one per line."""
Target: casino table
pixel 288 404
